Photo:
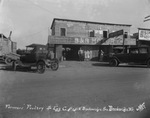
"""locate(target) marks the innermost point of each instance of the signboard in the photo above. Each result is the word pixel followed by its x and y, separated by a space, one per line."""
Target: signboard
pixel 91 41
pixel 117 33
pixel 144 34
pixel 73 40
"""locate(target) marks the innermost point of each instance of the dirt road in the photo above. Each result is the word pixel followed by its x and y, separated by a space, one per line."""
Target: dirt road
pixel 76 90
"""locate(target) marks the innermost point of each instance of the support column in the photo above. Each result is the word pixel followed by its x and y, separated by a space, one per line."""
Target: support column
pixel 58 52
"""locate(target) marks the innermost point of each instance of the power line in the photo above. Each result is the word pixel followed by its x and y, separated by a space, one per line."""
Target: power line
pixel 47 10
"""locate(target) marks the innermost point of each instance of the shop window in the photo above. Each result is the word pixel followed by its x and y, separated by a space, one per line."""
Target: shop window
pixel 92 33
pixel 105 34
pixel 62 31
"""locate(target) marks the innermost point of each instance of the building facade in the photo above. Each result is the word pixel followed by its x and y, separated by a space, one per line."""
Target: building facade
pixel 69 36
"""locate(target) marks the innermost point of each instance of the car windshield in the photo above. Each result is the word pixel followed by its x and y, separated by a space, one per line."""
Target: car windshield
pixel 116 51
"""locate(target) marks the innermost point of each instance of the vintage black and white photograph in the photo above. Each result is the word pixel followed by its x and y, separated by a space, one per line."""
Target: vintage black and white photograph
pixel 74 58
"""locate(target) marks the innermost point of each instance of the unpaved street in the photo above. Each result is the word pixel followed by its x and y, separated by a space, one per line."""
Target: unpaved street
pixel 75 87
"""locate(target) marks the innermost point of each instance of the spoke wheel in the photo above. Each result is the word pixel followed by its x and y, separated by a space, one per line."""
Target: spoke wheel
pixel 54 66
pixel 41 67
pixel 148 63
pixel 8 61
pixel 113 63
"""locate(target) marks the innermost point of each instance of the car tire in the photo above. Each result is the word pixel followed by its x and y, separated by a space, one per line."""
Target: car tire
pixel 148 63
pixel 54 66
pixel 8 61
pixel 41 67
pixel 113 62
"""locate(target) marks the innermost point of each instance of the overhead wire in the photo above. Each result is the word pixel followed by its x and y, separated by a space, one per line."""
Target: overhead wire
pixel 47 10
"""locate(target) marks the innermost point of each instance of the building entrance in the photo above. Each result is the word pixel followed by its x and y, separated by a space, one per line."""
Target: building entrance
pixel 70 52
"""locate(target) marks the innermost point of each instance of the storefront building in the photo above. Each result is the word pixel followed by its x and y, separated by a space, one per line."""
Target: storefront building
pixel 69 36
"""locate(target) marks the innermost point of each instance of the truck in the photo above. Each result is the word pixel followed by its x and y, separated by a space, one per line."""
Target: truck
pixel 36 55
pixel 8 49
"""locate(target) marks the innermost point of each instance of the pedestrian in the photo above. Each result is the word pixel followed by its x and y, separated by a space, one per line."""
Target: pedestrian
pixel 80 52
pixel 64 54
pixel 83 57
pixel 101 55
pixel 86 55
pixel 90 54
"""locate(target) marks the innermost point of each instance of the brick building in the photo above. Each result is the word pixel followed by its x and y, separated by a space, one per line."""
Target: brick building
pixel 69 36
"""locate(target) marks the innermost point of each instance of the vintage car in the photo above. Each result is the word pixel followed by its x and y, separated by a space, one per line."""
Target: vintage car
pixel 135 55
pixel 36 55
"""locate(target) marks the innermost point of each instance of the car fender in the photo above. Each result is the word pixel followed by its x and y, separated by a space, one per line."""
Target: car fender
pixel 41 60
pixel 147 59
pixel 114 57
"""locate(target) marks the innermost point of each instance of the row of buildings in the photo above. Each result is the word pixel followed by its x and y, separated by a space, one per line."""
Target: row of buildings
pixel 69 36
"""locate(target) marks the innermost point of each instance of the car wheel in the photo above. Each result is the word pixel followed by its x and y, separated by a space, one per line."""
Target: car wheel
pixel 113 62
pixel 8 61
pixel 54 66
pixel 41 67
pixel 148 63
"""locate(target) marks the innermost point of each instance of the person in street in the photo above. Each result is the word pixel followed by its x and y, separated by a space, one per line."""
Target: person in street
pixel 101 55
pixel 80 54
pixel 64 54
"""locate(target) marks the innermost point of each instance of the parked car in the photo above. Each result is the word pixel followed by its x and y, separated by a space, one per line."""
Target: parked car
pixel 136 55
pixel 36 55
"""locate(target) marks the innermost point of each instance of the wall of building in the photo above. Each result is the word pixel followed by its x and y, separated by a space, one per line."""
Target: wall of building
pixel 5 46
pixel 81 29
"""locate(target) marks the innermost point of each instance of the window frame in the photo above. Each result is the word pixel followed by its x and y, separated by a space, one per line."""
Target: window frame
pixel 93 32
pixel 61 31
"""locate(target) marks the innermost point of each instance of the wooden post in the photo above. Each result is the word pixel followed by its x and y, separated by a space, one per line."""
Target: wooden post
pixel 123 41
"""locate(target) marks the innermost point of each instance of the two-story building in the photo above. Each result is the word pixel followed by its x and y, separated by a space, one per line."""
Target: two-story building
pixel 69 36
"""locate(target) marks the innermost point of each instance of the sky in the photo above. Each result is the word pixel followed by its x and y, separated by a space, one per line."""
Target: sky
pixel 30 20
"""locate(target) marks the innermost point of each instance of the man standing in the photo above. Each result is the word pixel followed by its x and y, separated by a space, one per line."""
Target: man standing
pixel 80 53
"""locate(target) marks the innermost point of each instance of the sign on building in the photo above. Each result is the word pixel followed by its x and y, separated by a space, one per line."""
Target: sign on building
pixel 115 34
pixel 144 34
pixel 90 41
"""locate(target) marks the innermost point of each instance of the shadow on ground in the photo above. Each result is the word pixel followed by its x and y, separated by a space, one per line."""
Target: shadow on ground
pixel 19 69
pixel 121 65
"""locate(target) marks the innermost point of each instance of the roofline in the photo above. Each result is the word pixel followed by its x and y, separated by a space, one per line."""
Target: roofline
pixel 87 22
pixel 143 29
pixel 3 36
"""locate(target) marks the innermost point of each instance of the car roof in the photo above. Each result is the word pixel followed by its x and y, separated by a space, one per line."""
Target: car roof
pixel 140 47
pixel 36 45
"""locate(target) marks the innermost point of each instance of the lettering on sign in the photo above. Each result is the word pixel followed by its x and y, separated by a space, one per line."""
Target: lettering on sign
pixel 86 40
pixel 144 34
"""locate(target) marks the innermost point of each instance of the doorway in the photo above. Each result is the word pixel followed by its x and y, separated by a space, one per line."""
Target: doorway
pixel 70 52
